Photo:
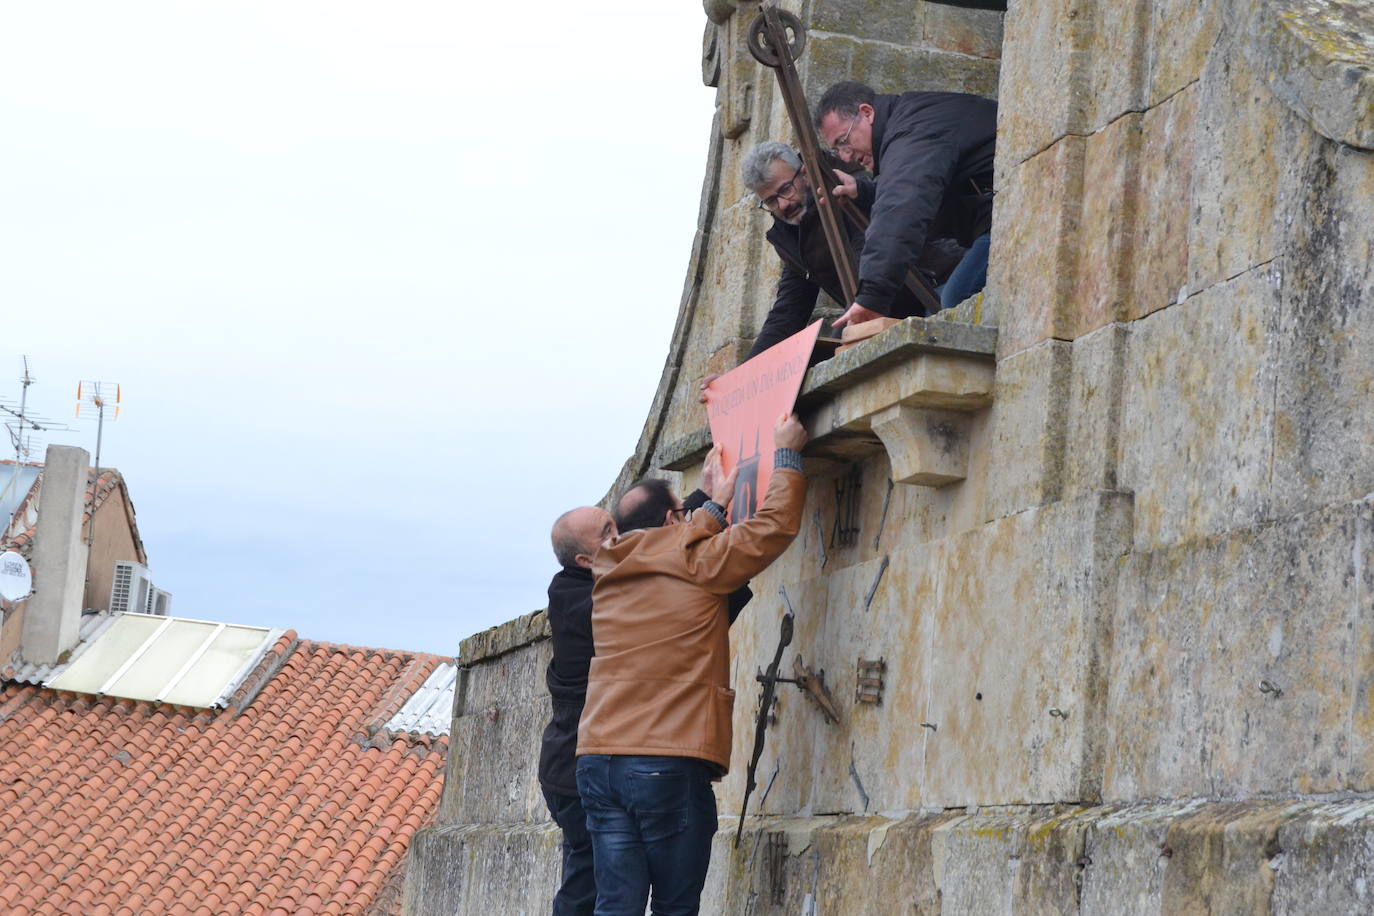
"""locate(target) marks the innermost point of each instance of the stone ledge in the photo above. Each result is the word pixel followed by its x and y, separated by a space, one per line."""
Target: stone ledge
pixel 919 357
pixel 1275 855
pixel 506 637
pixel 1318 56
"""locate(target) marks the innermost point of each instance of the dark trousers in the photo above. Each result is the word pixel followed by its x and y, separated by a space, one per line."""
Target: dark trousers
pixel 651 821
pixel 577 895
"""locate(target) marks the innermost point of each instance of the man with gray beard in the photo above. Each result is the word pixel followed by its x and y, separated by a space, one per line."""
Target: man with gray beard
pixel 773 172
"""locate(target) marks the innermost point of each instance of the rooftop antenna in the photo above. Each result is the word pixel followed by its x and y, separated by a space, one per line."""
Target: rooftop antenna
pixel 21 425
pixel 104 397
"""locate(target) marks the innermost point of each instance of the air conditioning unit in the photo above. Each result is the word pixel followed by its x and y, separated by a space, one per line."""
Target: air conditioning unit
pixel 132 588
pixel 160 602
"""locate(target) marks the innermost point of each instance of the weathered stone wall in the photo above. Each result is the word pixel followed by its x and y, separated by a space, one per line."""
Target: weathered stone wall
pixel 1130 656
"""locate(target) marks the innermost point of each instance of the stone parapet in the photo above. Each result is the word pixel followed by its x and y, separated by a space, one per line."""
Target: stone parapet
pixel 1281 855
pixel 503 638
pixel 499 712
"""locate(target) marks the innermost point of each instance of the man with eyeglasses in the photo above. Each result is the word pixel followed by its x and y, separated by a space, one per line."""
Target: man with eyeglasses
pixel 932 154
pixel 773 172
pixel 656 731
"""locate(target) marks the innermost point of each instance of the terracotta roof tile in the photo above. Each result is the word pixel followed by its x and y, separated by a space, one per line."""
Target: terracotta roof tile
pixel 284 802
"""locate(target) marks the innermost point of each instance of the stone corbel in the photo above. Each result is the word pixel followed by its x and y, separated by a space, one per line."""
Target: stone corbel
pixel 926 447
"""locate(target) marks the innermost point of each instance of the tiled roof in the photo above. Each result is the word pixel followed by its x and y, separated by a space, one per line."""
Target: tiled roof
pixel 285 802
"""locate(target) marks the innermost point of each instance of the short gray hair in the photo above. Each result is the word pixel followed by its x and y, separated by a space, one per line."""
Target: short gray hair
pixel 756 161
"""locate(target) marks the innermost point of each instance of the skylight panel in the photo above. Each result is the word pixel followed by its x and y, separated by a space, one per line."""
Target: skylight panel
pixel 166 660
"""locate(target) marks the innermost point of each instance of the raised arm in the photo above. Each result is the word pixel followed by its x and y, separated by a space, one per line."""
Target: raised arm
pixel 724 560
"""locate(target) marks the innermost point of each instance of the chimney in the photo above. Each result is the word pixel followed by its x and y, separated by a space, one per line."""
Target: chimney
pixel 52 614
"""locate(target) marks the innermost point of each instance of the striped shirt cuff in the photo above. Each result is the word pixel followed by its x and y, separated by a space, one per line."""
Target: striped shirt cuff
pixel 787 458
pixel 715 510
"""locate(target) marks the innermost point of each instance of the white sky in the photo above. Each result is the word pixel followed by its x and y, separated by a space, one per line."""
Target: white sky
pixel 386 286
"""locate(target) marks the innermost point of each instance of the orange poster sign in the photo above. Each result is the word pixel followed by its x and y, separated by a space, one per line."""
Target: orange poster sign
pixel 744 404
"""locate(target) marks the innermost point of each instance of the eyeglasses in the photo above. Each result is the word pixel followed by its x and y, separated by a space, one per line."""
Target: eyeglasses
pixel 842 144
pixel 784 190
pixel 681 513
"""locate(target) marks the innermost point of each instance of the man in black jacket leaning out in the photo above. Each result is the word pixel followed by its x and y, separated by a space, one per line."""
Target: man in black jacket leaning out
pixel 932 153
pixel 773 172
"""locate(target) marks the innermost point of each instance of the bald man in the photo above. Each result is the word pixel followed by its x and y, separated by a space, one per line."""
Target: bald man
pixel 576 536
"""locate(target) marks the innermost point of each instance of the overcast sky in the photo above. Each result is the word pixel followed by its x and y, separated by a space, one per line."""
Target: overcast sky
pixel 386 286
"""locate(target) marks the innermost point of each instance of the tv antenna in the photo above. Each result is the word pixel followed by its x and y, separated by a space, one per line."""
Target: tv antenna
pixel 104 398
pixel 20 423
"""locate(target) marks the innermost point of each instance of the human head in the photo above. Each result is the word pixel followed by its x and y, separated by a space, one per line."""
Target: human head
pixel 648 503
pixel 771 168
pixel 577 534
pixel 844 119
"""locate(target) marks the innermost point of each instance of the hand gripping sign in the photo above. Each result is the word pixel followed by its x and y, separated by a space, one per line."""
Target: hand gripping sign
pixel 742 406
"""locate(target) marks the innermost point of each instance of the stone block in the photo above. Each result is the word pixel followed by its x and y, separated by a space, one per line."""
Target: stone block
pixel 1203 627
pixel 1092 452
pixel 1042 48
pixel 1196 441
pixel 511 678
pixel 1327 859
pixel 1221 859
pixel 880 866
pixel 1013 863
pixel 883 747
pixel 1127 853
pixel 1103 250
pixel 1115 45
pixel 1324 429
pixel 1034 240
pixel 492 767
pixel 479 870
pixel 977 33
pixel 887 67
pixel 1241 139
pixel 1017 654
pixel 1158 259
pixel 1183 33
pixel 1026 429
pixel 878 20
pixel 1318 58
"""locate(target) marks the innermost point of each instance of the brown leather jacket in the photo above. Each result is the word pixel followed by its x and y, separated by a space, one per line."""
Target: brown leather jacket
pixel 659 684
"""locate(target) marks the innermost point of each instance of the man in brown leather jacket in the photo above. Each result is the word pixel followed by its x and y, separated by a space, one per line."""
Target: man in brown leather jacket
pixel 655 731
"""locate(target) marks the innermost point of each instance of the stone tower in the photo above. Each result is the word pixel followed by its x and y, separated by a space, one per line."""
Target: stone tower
pixel 1113 578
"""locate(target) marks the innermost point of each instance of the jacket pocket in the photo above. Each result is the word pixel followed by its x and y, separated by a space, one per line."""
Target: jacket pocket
pixel 719 733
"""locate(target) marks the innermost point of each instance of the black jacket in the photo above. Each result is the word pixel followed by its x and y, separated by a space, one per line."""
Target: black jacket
pixel 932 156
pixel 808 268
pixel 570 620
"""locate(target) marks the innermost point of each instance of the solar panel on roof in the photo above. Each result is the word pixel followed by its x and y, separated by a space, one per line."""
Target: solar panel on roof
pixel 166 660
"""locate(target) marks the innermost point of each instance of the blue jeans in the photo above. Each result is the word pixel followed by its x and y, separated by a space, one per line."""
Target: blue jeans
pixel 577 895
pixel 651 821
pixel 970 276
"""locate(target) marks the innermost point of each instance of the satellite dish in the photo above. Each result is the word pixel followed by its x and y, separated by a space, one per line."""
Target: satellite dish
pixel 16 581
